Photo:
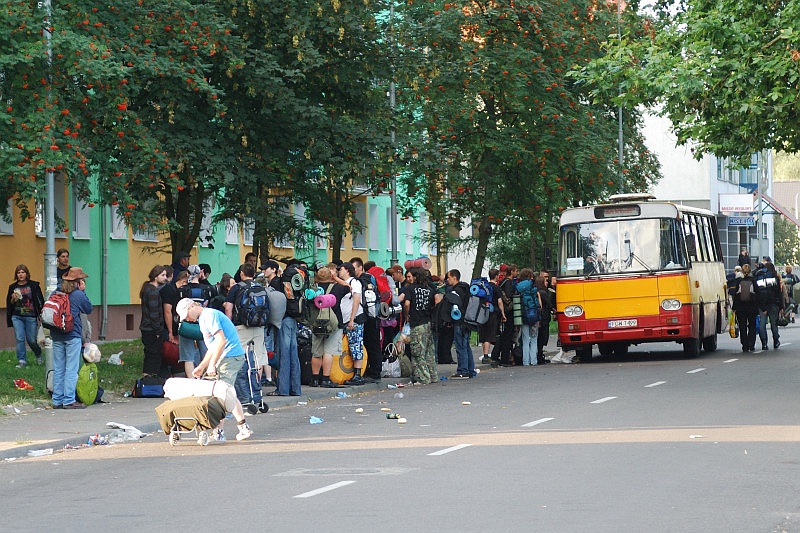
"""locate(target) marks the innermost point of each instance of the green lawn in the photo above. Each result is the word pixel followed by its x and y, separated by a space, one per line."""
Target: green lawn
pixel 113 378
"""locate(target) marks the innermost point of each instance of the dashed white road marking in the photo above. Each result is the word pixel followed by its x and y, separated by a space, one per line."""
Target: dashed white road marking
pixel 327 488
pixel 450 449
pixel 695 371
pixel 730 360
pixel 656 384
pixel 537 422
pixel 602 400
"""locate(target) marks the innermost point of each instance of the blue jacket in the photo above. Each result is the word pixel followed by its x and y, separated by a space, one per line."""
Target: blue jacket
pixel 78 303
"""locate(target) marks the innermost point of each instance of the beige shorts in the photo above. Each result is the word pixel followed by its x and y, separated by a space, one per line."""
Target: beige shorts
pixel 331 345
pixel 257 336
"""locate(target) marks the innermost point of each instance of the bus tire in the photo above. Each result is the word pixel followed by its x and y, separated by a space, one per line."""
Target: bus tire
pixel 691 347
pixel 710 343
pixel 584 354
pixel 605 348
pixel 620 349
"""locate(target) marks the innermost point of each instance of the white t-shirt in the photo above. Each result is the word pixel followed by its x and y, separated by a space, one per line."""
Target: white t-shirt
pixel 347 301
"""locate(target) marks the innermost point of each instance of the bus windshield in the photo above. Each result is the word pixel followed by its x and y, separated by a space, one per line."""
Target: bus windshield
pixel 621 246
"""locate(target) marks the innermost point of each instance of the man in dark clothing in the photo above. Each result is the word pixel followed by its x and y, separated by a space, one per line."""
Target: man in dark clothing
pixel 461 333
pixel 181 263
pixel 744 257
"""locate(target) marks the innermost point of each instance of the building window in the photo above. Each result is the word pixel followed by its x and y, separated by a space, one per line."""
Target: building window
pixel 231 232
pixel 145 234
pixel 206 237
pixel 7 228
pixel 119 229
pixel 248 229
pixel 373 227
pixel 359 235
pixel 80 219
pixel 59 196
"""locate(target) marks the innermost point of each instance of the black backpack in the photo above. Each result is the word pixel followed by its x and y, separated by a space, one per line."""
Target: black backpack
pixel 251 308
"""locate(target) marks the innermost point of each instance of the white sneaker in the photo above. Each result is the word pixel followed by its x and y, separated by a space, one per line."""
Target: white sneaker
pixel 244 432
pixel 218 435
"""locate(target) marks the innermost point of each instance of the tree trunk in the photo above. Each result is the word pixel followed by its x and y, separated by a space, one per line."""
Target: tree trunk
pixel 533 250
pixel 484 234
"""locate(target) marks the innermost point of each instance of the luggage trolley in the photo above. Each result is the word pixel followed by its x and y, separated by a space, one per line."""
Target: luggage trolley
pixel 194 415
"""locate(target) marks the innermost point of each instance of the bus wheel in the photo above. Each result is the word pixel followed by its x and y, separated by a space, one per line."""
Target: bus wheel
pixel 710 343
pixel 606 348
pixel 621 349
pixel 691 347
pixel 584 355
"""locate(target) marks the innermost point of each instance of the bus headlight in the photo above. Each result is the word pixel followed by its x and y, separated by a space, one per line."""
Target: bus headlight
pixel 573 311
pixel 670 305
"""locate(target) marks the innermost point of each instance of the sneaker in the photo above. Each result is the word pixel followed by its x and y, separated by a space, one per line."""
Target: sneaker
pixel 368 379
pixel 330 384
pixel 21 364
pixel 39 360
pixel 764 346
pixel 486 360
pixel 244 432
pixel 777 344
pixel 459 376
pixel 75 405
pixel 355 380
pixel 218 435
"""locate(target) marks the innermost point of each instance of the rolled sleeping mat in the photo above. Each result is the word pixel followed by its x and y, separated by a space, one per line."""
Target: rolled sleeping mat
pixel 491 307
pixel 473 289
pixel 325 301
pixel 388 311
pixel 298 281
pixel 455 313
pixel 422 262
pixel 516 303
pixel 310 294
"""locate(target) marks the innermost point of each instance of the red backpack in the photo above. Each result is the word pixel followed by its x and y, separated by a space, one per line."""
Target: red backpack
pixel 57 314
pixel 384 291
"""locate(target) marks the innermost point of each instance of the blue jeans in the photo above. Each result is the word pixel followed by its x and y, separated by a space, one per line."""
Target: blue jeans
pixel 25 328
pixel 466 362
pixel 530 338
pixel 770 312
pixel 289 367
pixel 191 350
pixel 66 362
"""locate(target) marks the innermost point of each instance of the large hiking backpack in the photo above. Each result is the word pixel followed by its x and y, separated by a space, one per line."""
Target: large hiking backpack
pixel 198 292
pixel 252 305
pixel 369 295
pixel 746 291
pixel 531 310
pixel 323 321
pixel 57 313
pixel 382 282
pixel 295 282
pixel 479 303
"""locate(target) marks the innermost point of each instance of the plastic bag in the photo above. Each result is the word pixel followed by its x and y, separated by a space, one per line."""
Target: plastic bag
pixel 390 368
pixel 733 326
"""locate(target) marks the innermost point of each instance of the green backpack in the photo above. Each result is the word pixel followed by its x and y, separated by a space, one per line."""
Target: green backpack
pixel 88 383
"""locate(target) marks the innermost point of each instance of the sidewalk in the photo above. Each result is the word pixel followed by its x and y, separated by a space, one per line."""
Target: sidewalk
pixel 41 428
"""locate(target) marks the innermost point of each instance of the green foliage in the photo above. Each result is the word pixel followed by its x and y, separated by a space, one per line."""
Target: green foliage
pixel 787 242
pixel 498 132
pixel 724 72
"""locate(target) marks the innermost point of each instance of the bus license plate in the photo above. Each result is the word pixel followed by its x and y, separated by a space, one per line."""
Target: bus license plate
pixel 622 323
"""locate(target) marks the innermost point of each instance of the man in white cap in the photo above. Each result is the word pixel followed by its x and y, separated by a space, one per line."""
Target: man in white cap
pixel 191 350
pixel 225 355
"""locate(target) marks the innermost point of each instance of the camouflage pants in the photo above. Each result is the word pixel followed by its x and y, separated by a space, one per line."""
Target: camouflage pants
pixel 423 355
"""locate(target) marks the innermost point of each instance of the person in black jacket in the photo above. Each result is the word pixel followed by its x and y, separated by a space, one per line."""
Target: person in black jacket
pixel 770 301
pixel 457 294
pixel 744 303
pixel 24 303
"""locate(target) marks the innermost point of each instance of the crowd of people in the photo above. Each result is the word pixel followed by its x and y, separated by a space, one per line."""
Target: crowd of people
pixel 760 295
pixel 424 301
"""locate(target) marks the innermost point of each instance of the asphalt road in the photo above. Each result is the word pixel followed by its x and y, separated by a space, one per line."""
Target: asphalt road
pixel 651 442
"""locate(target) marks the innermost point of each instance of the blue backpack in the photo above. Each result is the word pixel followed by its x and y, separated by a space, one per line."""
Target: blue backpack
pixel 531 310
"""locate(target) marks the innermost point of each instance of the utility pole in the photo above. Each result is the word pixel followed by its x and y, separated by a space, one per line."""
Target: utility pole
pixel 392 103
pixel 50 209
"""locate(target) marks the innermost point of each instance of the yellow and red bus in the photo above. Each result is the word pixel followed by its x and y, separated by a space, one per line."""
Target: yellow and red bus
pixel 634 271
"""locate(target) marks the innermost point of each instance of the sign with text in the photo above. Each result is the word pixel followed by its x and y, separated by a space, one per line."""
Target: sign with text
pixel 741 221
pixel 735 203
